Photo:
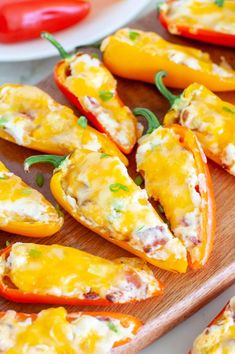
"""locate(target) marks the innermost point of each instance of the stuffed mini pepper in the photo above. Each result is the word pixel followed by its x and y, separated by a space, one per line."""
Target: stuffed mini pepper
pixel 176 175
pixel 30 117
pixel 219 336
pixel 88 84
pixel 98 192
pixel 212 119
pixel 56 331
pixel 211 21
pixel 23 210
pixel 75 277
pixel 145 53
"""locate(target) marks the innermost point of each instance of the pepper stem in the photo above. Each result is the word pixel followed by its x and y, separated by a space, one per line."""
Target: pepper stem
pixel 91 45
pixel 52 159
pixel 220 3
pixel 55 43
pixel 153 122
pixel 162 88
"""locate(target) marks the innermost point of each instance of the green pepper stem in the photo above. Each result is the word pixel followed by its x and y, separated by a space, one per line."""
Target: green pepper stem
pixel 56 44
pixel 162 88
pixel 52 159
pixel 153 122
pixel 220 3
pixel 93 45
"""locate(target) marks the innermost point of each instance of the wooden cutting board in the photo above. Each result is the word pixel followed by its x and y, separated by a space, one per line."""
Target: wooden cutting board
pixel 184 294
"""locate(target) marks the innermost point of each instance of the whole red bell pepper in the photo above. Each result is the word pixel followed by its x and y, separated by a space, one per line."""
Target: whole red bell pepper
pixel 22 20
pixel 196 30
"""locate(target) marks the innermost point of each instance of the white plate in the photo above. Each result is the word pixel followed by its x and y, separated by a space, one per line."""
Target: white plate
pixel 106 16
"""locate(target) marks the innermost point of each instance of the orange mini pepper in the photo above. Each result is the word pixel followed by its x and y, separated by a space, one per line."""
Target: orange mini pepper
pixel 23 210
pixel 177 176
pixel 75 277
pixel 30 117
pixel 138 55
pixel 88 84
pixel 210 118
pixel 56 331
pixel 219 336
pixel 98 192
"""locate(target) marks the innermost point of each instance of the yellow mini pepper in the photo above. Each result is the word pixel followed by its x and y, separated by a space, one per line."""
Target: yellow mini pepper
pixel 212 119
pixel 31 118
pixel 23 210
pixel 98 192
pixel 138 55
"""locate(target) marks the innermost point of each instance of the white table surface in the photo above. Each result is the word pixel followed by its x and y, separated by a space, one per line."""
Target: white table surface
pixel 179 340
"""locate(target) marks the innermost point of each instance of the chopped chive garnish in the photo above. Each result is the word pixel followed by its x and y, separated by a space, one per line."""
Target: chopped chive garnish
pixel 3 121
pixel 112 327
pixel 140 228
pixel 219 3
pixel 82 121
pixel 33 252
pixel 133 35
pixel 95 55
pixel 160 209
pixel 229 110
pixel 116 187
pixel 8 243
pixel 4 177
pixel 103 156
pixel 105 95
pixel 26 191
pixel 138 180
pixel 59 211
pixel 40 180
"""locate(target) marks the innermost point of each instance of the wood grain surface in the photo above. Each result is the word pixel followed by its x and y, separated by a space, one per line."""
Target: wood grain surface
pixel 184 294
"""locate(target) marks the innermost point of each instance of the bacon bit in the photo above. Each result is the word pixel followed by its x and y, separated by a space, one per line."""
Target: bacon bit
pixel 103 318
pixel 91 295
pixel 181 140
pixel 112 297
pixel 147 249
pixel 185 115
pixel 197 189
pixel 161 242
pixel 195 241
pixel 133 278
pixel 68 71
pixel 28 115
pixel 207 331
pixel 92 101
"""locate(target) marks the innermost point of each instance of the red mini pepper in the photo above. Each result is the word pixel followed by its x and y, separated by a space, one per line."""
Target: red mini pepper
pixel 90 86
pixel 75 278
pixel 25 19
pixel 196 30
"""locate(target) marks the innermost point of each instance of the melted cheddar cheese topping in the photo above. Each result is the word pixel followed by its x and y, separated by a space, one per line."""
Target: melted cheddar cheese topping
pixel 211 119
pixel 75 273
pixel 30 117
pixel 21 203
pixel 152 45
pixel 103 196
pixel 171 178
pixel 52 332
pixel 200 14
pixel 219 338
pixel 96 90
